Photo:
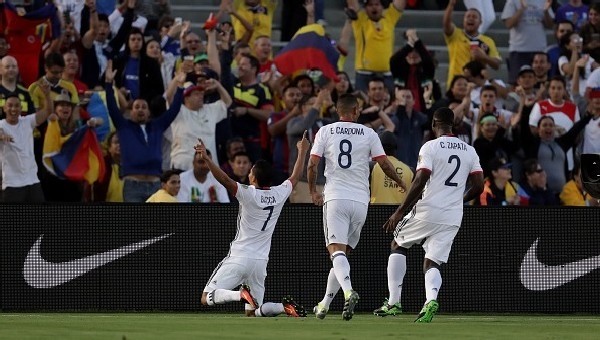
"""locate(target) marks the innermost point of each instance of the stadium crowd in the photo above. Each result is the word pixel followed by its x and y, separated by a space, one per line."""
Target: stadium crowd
pixel 146 88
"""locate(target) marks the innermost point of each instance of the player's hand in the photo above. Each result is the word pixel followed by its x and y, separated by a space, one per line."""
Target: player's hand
pixel 201 149
pixel 303 145
pixel 317 198
pixel 403 187
pixel 392 222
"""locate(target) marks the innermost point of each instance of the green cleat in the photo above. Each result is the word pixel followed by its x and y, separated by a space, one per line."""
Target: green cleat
pixel 386 309
pixel 349 305
pixel 428 311
pixel 320 311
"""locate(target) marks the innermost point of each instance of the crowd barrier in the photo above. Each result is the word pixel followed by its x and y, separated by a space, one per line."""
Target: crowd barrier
pixel 158 257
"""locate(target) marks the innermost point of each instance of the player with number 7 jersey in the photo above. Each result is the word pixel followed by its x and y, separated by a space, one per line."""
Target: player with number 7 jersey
pixel 246 263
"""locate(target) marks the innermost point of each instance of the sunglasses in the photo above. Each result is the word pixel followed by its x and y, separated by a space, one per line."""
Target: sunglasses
pixel 538 170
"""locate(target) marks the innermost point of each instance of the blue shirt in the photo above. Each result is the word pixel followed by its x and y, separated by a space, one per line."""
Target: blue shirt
pixel 131 78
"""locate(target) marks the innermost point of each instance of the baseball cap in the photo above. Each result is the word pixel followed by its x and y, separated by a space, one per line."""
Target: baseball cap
pixel 499 163
pixel 524 69
pixel 388 138
pixel 190 87
pixel 63 98
pixel 201 57
pixel 595 92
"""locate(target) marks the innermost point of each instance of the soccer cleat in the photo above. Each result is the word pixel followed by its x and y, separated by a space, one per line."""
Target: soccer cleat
pixel 428 311
pixel 349 305
pixel 292 308
pixel 386 309
pixel 320 311
pixel 247 297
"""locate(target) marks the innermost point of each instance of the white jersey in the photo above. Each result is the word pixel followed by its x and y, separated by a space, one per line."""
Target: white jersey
pixel 450 161
pixel 347 147
pixel 257 216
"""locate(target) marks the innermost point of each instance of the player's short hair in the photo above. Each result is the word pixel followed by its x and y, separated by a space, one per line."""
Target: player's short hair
pixel 346 103
pixel 263 172
pixel 164 178
pixel 444 115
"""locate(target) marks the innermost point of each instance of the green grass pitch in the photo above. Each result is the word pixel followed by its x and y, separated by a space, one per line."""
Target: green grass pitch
pixel 132 326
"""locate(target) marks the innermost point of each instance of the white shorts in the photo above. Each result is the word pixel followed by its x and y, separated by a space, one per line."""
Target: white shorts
pixel 343 221
pixel 438 237
pixel 233 271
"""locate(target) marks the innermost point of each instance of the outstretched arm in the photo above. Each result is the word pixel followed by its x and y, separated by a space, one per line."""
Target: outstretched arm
pixel 219 174
pixel 311 174
pixel 413 195
pixel 302 146
pixel 390 171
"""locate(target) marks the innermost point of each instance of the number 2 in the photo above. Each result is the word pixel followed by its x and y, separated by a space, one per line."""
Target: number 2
pixel 448 183
pixel 270 208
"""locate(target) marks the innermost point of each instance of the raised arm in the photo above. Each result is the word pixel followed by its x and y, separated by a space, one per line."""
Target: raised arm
pixel 87 40
pixel 219 174
pixel 212 84
pixel 42 115
pixel 399 4
pixel 212 51
pixel 447 19
pixel 111 104
pixel 303 145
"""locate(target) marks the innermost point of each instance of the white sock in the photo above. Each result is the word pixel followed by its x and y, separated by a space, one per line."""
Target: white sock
pixel 341 267
pixel 395 274
pixel 220 296
pixel 269 309
pixel 433 282
pixel 332 288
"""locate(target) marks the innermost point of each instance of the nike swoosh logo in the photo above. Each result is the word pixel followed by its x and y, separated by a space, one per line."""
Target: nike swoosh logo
pixel 538 276
pixel 39 273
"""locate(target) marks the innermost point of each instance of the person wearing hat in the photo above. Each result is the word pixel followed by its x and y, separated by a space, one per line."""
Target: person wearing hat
pixel 498 189
pixel 525 87
pixel 383 189
pixel 196 120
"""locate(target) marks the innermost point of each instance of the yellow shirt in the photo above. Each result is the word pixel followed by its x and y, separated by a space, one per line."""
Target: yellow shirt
pixel 459 51
pixel 63 85
pixel 162 196
pixel 115 186
pixel 261 20
pixel 383 189
pixel 374 41
pixel 572 196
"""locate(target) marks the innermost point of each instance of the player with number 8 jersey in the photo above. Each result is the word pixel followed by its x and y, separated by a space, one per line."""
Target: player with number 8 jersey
pixel 347 148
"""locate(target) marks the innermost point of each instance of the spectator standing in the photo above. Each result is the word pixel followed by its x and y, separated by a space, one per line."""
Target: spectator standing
pixel 541 67
pixel 199 185
pixel 110 187
pixel 534 186
pixel 54 66
pixel 526 20
pixel 257 12
pixel 374 40
pixel 574 11
pixel 383 189
pixel 467 44
pixel 20 183
pixel 410 126
pixel 590 32
pixel 486 9
pixel 9 70
pixel 591 135
pixel 553 51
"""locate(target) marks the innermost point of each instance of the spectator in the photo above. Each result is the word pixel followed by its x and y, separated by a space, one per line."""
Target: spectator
pixel 488 106
pixel 9 70
pixel 591 135
pixel 165 60
pixel 198 185
pixel 410 126
pixel 20 183
pixel 71 72
pixel 383 189
pixel 461 129
pixel 498 189
pixel 374 40
pixel 574 11
pixel 240 169
pixel 258 12
pixel 475 73
pixel 253 105
pixel 571 46
pixel 138 75
pixel 457 90
pixel 170 183
pixel 372 114
pixel 141 140
pixel 574 194
pixel 565 113
pixel 491 142
pixel 116 18
pixel 196 120
pixel 526 20
pixel 232 147
pixel 262 51
pixel 486 10
pixel 590 32
pixel 277 129
pixel 54 66
pixel 169 31
pixel 307 121
pixel 110 187
pixel 553 51
pixel 541 66
pixel 412 67
pixel 467 44
pixel 525 84
pixel 305 84
pixel 533 187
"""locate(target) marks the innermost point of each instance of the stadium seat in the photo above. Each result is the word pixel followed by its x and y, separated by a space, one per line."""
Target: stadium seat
pixel 590 173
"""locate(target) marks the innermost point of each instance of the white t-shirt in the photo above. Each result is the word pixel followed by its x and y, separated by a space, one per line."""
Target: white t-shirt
pixel 582 77
pixel 450 161
pixel 257 217
pixel 593 81
pixel 190 125
pixel 348 148
pixel 18 162
pixel 193 191
pixel 591 137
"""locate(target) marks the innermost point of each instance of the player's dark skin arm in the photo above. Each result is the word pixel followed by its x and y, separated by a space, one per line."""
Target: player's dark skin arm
pixel 476 188
pixel 390 171
pixel 311 174
pixel 219 174
pixel 412 197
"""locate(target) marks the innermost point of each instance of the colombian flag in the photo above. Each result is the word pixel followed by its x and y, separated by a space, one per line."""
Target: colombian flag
pixel 308 49
pixel 76 157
